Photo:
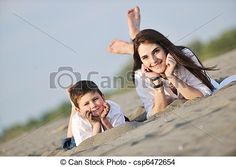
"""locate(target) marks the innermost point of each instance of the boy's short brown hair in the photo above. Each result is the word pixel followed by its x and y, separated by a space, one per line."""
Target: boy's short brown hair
pixel 79 89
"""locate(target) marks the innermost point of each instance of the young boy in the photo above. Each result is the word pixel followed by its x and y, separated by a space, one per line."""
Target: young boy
pixel 91 114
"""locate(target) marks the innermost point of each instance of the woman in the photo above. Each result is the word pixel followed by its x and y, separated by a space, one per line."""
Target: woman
pixel 162 71
pixel 167 71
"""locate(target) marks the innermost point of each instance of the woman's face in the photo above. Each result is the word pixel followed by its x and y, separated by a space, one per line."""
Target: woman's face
pixel 153 57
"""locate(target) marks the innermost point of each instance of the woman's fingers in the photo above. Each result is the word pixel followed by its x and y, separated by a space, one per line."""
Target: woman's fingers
pixel 170 63
pixel 170 59
pixel 148 73
pixel 145 69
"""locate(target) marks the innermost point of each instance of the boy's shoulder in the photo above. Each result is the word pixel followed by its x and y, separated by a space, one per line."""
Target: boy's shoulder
pixel 76 118
pixel 114 107
pixel 112 103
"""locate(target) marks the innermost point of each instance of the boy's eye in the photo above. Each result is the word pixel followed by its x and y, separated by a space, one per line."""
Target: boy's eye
pixel 95 98
pixel 85 104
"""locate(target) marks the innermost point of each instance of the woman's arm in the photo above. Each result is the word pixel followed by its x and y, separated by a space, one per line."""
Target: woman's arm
pixel 188 92
pixel 160 99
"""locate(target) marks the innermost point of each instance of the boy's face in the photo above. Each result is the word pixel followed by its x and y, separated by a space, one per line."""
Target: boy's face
pixel 91 102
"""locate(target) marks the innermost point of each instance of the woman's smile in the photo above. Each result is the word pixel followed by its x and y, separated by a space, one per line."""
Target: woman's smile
pixel 157 64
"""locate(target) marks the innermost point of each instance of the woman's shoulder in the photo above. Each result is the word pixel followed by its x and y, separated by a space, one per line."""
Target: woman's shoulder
pixel 187 51
pixel 138 73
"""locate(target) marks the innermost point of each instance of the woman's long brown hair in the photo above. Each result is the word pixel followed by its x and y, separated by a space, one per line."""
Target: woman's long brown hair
pixel 152 36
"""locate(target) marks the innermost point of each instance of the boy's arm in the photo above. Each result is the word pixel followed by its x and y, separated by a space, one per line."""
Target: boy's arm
pixel 95 122
pixel 96 128
pixel 69 129
pixel 106 123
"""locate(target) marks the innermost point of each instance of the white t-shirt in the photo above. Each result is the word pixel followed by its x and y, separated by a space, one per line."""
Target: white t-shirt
pixel 146 92
pixel 82 129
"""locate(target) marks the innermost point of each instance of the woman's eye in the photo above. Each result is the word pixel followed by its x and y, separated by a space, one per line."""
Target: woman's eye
pixel 156 51
pixel 144 57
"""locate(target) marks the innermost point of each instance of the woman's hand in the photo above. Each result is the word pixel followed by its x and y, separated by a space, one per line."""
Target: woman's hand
pixel 148 73
pixel 170 65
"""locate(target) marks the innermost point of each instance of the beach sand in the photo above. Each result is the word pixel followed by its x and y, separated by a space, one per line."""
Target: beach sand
pixel 204 126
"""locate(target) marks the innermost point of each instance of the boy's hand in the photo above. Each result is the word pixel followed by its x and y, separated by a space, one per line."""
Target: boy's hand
pixel 105 110
pixel 104 120
pixel 92 119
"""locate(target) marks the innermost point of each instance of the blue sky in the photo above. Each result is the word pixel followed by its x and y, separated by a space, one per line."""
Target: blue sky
pixel 39 37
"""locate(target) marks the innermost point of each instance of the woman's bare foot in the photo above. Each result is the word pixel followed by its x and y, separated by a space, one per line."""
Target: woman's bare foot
pixel 134 22
pixel 120 47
